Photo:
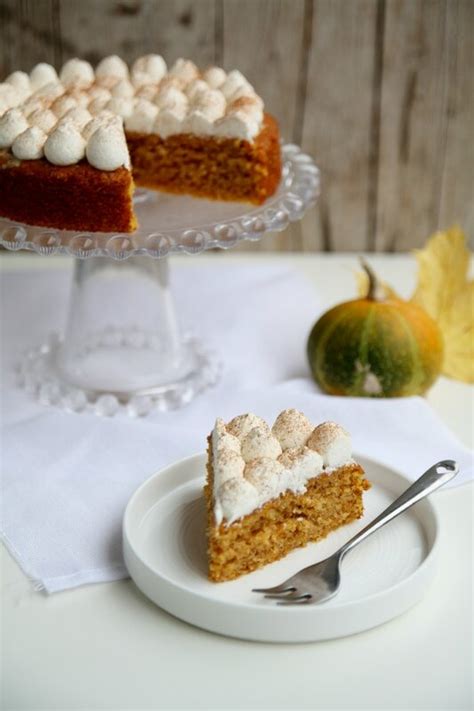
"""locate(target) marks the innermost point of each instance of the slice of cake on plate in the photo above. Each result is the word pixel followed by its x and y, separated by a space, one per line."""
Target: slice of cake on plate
pixel 269 491
pixel 72 146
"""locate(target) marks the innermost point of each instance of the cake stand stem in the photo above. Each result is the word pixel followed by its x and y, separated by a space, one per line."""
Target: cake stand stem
pixel 122 337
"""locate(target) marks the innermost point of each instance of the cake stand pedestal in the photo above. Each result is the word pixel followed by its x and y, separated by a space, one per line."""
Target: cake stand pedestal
pixel 122 345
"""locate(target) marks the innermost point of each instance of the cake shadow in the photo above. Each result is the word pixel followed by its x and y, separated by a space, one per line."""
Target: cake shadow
pixel 192 542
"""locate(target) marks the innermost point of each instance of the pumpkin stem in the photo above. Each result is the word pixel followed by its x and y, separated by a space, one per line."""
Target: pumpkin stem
pixel 374 291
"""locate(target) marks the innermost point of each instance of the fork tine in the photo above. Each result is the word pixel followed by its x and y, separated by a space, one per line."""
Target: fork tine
pixel 282 588
pixel 292 597
pixel 298 600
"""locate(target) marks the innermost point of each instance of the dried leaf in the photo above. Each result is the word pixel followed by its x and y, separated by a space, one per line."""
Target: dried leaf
pixel 445 292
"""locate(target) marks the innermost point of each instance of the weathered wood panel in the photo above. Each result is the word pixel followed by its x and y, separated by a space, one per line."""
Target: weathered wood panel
pixel 414 116
pixel 338 122
pixel 456 203
pixel 268 49
pixel 130 28
pixel 29 33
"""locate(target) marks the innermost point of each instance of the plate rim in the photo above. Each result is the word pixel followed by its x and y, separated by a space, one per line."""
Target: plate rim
pixel 314 609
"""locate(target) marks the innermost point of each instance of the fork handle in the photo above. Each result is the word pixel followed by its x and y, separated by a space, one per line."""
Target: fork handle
pixel 436 476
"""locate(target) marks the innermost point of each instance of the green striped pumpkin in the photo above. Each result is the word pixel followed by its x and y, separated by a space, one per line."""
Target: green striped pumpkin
pixel 375 347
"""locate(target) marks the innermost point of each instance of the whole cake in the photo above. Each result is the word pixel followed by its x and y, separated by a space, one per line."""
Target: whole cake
pixel 72 146
pixel 269 491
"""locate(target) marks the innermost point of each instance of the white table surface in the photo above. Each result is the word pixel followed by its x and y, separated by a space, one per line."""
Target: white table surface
pixel 107 647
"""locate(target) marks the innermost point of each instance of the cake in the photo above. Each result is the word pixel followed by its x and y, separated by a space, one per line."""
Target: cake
pixel 73 146
pixel 269 491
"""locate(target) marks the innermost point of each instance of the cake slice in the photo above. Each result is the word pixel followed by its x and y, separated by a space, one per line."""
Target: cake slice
pixel 269 491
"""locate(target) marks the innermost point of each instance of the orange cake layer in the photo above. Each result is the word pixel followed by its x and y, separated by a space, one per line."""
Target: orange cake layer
pixel 210 167
pixel 73 197
pixel 292 520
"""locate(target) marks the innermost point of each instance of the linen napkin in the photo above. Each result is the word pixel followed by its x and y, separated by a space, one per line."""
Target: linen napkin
pixel 67 477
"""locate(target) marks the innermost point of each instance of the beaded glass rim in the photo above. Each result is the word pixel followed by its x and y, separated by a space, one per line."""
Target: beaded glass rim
pixel 298 190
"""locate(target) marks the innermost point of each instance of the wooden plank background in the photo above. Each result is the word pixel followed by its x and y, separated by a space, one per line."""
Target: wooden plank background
pixel 380 92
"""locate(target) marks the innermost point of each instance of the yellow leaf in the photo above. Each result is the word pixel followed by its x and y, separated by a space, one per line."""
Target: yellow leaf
pixel 445 292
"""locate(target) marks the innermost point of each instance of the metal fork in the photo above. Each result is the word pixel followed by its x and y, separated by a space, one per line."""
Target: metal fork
pixel 321 581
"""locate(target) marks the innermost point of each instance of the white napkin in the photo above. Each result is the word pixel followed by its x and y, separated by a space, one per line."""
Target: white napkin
pixel 67 477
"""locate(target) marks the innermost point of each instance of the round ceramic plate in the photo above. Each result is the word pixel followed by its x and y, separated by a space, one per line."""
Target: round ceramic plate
pixel 165 553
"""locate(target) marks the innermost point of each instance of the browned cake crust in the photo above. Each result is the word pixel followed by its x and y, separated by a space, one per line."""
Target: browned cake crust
pixel 74 197
pixel 216 168
pixel 281 525
pixel 80 197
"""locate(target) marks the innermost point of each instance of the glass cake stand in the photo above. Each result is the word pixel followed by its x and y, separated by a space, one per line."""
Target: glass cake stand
pixel 122 345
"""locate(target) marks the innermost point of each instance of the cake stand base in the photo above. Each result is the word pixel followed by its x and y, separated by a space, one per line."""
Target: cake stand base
pixel 122 345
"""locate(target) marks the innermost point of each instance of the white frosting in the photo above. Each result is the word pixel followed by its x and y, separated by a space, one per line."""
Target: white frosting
pixel 97 105
pixel 260 443
pixel 21 82
pixel 111 66
pixel 41 75
pixel 237 125
pixel 123 89
pixel 65 145
pixel 107 148
pixel 147 92
pixel 12 123
pixel 235 80
pixel 77 72
pixel 143 117
pixel 235 498
pixel 195 87
pixel 121 107
pixel 215 77
pixel 184 70
pixel 169 122
pixel 171 98
pixel 251 469
pixel 79 116
pixel 332 442
pixel 211 103
pixel 149 69
pixel 9 97
pixel 62 105
pixel 104 118
pixel 29 144
pixel 43 119
pixel 149 99
pixel 292 429
pixel 241 425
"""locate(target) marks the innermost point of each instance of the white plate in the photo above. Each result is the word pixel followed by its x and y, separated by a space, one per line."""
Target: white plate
pixel 165 553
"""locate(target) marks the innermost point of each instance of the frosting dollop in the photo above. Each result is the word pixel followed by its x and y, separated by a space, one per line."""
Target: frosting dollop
pixel 43 119
pixel 332 442
pixel 292 429
pixel 235 498
pixel 241 425
pixel 29 144
pixel 237 125
pixel 143 117
pixel 107 148
pixel 149 69
pixel 260 443
pixel 10 97
pixel 112 66
pixel 12 123
pixel 77 72
pixel 65 145
pixel 21 82
pixel 264 475
pixel 184 70
pixel 215 77
pixel 42 74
